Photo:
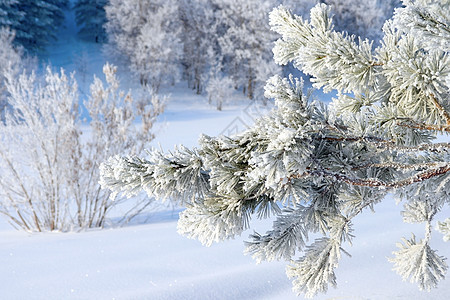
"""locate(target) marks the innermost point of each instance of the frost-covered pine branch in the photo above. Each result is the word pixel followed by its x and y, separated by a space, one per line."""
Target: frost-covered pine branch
pixel 324 165
pixel 418 262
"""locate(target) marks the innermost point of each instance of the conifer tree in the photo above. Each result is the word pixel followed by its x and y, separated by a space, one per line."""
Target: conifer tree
pixel 9 15
pixel 34 22
pixel 91 16
pixel 318 167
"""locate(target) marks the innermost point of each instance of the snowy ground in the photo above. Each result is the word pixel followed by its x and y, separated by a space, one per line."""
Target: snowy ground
pixel 151 261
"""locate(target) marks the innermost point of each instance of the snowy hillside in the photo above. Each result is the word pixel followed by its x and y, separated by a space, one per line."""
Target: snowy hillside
pixel 151 261
pixel 148 259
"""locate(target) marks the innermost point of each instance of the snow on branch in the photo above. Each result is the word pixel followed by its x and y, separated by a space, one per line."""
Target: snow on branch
pixel 334 60
pixel 315 271
pixel 176 176
pixel 418 262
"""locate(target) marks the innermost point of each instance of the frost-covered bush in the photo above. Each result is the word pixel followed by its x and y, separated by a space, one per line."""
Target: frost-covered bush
pixel 324 165
pixel 49 160
pixel 219 90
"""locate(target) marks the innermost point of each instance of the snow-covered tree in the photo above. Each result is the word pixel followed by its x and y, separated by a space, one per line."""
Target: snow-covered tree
pixel 48 167
pixel 146 33
pixel 199 38
pixel 324 165
pixel 10 16
pixel 90 15
pixel 245 40
pixel 10 63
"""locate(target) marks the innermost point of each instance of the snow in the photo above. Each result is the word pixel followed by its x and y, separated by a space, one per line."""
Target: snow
pixel 149 260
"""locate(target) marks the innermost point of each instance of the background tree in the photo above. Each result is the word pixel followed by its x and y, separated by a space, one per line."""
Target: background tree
pixel 324 165
pixel 245 41
pixel 10 62
pixel 10 16
pixel 147 35
pixel 90 15
pixel 199 38
pixel 219 90
pixel 35 22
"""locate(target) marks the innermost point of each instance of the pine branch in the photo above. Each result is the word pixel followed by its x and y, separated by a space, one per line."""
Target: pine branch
pixel 315 271
pixel 324 164
pixel 374 182
pixel 397 166
pixel 425 147
pixel 418 262
pixel 289 234
pixel 429 127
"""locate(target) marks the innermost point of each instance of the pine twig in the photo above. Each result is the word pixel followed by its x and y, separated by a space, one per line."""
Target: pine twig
pixel 374 182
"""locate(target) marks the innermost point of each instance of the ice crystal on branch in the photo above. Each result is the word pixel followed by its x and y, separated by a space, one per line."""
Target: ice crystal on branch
pixel 323 165
pixel 315 270
pixel 418 262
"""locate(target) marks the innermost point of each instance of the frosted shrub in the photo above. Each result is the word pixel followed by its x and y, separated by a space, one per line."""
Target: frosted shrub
pixel 219 90
pixel 49 168
pixel 324 165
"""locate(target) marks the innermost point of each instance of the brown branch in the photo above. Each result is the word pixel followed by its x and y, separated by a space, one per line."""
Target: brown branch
pixel 428 127
pixel 377 64
pixel 437 147
pixel 387 144
pixel 374 182
pixel 356 139
pixel 397 166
